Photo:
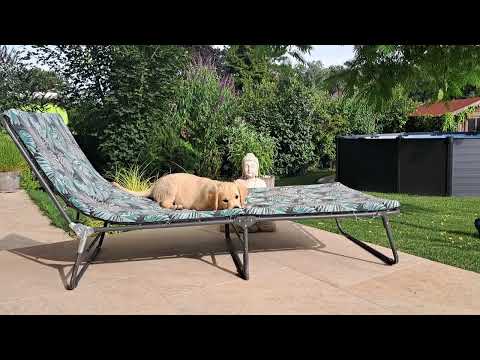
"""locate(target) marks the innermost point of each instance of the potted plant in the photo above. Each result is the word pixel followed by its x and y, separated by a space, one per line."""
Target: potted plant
pixel 11 164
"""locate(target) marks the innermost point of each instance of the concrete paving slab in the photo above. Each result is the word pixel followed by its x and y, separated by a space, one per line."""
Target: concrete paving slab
pixel 427 288
pixel 282 291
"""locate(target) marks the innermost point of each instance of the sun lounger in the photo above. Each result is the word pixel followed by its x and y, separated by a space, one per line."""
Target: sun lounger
pixel 65 172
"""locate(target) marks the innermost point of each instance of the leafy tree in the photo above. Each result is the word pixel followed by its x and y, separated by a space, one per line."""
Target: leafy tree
pixel 329 121
pixel 394 114
pixel 278 53
pixel 449 69
pixel 444 71
pixel 256 62
pixel 142 80
pixel 258 102
pixel 10 78
pixel 20 82
pixel 293 129
pixel 317 76
pixel 86 70
pixel 116 93
pixel 282 109
pixel 313 73
pixel 361 116
pixel 340 115
pixel 9 57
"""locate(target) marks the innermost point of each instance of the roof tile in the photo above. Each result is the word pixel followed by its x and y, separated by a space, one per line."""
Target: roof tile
pixel 443 107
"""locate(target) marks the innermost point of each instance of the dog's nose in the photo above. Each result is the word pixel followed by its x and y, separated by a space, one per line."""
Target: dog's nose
pixel 236 207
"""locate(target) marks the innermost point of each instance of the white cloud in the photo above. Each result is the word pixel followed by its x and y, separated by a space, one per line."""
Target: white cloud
pixel 331 54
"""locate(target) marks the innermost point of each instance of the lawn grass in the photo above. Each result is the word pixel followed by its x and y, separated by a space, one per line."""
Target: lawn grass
pixel 436 228
pixel 433 227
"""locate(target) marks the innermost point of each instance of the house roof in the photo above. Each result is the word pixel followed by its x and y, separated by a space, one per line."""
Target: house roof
pixel 443 107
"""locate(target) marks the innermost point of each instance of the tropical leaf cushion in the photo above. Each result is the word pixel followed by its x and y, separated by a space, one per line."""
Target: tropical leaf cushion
pixel 73 177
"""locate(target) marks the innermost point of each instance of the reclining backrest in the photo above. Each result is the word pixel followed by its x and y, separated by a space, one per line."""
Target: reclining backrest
pixel 53 148
pixel 55 153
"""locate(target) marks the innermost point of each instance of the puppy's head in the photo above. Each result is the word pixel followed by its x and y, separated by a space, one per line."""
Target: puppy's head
pixel 231 195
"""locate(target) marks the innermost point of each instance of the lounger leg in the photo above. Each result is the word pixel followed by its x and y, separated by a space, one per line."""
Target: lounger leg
pixel 85 256
pixel 376 253
pixel 242 268
pixel 246 274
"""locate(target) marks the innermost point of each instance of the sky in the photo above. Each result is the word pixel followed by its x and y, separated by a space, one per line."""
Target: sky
pixel 331 54
pixel 327 54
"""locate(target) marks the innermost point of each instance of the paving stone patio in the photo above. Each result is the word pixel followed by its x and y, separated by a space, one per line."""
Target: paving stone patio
pixel 297 270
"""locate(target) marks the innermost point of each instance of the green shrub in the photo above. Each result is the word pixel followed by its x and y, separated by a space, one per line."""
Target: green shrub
pixel 283 110
pixel 167 151
pixel 424 123
pixel 258 102
pixel 243 138
pixel 360 116
pixel 329 121
pixel 394 114
pixel 340 115
pixel 142 81
pixel 10 157
pixel 204 105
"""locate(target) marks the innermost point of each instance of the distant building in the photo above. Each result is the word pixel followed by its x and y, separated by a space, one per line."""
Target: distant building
pixel 48 106
pixel 49 95
pixel 438 109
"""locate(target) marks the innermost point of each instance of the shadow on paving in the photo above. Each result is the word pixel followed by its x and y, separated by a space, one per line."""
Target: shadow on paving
pixel 171 243
pixel 14 241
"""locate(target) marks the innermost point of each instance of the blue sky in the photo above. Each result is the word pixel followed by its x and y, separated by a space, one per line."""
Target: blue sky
pixel 327 54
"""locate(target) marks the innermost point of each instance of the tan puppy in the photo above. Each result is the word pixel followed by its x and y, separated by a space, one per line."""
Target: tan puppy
pixel 186 191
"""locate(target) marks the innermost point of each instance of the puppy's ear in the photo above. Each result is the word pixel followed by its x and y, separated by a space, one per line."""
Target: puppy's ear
pixel 243 192
pixel 213 198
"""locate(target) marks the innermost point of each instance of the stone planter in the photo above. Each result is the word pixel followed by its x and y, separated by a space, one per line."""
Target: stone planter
pixel 9 181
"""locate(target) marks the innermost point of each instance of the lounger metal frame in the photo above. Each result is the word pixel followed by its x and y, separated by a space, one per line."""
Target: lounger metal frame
pixel 87 254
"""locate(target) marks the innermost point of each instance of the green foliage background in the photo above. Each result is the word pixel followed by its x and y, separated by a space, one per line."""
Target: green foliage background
pixel 243 138
pixel 198 109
